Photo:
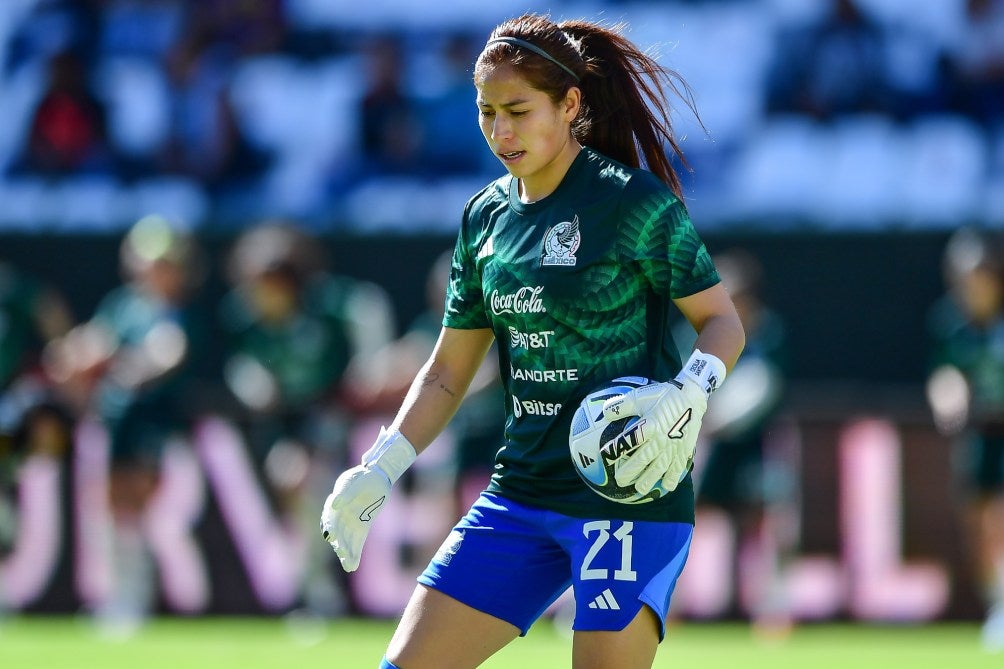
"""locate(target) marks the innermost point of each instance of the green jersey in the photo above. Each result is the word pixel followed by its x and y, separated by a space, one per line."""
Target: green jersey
pixel 577 289
pixel 977 351
pixel 129 314
pixel 306 354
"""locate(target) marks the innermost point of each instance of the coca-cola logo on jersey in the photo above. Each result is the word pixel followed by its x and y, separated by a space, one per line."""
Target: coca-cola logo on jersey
pixel 526 300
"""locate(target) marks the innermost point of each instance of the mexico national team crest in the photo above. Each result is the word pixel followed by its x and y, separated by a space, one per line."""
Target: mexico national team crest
pixel 561 241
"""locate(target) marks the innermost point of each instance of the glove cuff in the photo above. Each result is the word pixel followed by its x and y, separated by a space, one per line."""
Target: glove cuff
pixel 704 369
pixel 392 454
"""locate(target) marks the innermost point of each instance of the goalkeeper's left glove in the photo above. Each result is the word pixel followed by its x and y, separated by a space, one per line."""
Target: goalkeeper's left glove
pixel 360 493
pixel 675 410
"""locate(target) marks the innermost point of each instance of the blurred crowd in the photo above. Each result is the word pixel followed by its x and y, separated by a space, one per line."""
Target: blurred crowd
pixel 219 112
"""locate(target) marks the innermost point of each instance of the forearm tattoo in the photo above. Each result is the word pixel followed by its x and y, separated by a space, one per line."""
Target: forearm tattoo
pixel 432 379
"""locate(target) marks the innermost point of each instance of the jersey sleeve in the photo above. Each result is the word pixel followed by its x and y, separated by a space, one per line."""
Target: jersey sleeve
pixel 464 309
pixel 658 235
pixel 108 314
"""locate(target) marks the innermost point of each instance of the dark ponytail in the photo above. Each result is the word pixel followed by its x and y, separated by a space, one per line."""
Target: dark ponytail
pixel 625 112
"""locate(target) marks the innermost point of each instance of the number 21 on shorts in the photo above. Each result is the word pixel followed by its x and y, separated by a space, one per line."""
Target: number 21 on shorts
pixel 599 532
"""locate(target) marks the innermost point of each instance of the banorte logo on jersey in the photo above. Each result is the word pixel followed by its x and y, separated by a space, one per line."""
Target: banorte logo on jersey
pixel 526 300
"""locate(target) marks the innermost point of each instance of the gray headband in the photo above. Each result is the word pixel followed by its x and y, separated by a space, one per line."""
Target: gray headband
pixel 515 41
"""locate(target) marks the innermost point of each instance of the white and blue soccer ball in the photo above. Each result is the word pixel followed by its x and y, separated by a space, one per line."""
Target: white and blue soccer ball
pixel 596 444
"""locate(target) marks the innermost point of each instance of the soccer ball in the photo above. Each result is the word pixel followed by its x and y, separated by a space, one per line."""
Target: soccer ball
pixel 597 444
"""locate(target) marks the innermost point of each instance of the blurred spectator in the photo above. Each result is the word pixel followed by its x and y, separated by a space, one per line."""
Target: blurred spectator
pixel 205 140
pixel 978 62
pixel 389 118
pixel 832 67
pixel 741 479
pixel 144 28
pixel 965 391
pixel 68 133
pixel 452 142
pixel 239 29
pixel 292 331
pixel 53 26
pixel 132 366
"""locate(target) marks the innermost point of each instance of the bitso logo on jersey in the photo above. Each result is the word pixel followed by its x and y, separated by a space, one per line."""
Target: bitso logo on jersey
pixel 561 241
pixel 596 444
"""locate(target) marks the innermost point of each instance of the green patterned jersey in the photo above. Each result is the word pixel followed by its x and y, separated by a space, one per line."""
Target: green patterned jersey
pixel 577 288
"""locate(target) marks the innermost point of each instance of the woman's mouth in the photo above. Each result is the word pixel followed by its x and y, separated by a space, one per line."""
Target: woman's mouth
pixel 511 156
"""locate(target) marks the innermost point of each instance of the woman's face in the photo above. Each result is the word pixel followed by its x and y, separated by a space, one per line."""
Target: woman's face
pixel 525 130
pixel 274 297
pixel 981 294
pixel 166 279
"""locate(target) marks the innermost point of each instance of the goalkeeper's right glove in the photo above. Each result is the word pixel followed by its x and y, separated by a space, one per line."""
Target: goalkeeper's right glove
pixel 675 410
pixel 359 494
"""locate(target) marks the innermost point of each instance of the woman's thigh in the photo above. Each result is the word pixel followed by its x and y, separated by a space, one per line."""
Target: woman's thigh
pixel 439 632
pixel 633 647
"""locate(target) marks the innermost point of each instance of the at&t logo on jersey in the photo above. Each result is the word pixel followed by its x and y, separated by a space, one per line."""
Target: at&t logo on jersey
pixel 526 300
pixel 561 241
pixel 529 340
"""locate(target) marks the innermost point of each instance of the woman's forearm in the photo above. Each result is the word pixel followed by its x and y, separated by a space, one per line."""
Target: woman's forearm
pixel 723 337
pixel 431 402
pixel 440 385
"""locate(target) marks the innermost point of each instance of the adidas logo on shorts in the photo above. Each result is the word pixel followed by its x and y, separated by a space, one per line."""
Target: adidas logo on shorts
pixel 605 600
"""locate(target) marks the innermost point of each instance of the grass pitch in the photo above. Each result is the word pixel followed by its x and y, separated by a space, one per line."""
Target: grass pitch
pixel 31 642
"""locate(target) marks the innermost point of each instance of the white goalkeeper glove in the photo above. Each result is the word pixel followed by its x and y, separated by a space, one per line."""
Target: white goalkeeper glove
pixel 675 411
pixel 360 493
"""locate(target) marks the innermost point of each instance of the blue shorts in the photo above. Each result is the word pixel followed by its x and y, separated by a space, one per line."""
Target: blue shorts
pixel 512 561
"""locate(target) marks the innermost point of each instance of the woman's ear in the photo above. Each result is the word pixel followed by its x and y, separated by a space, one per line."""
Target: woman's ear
pixel 570 105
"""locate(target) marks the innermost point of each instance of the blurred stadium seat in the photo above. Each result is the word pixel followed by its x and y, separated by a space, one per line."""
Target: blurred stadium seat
pixel 944 173
pixel 300 103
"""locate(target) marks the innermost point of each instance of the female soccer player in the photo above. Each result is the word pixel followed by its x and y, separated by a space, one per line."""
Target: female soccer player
pixel 965 390
pixel 573 261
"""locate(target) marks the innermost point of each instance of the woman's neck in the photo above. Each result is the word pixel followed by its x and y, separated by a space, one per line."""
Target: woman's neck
pixel 547 180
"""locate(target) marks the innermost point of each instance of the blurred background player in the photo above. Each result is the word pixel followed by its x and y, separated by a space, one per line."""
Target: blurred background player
pixel 292 331
pixel 131 366
pixel 965 391
pixel 741 484
pixel 32 419
pixel 34 423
